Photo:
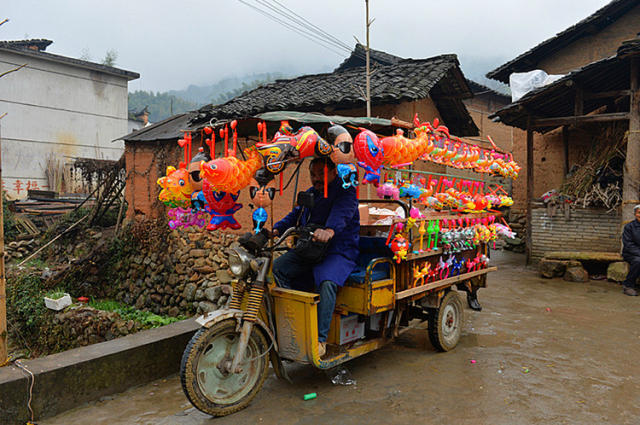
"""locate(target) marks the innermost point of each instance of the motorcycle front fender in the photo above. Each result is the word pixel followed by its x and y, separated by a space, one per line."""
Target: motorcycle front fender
pixel 211 318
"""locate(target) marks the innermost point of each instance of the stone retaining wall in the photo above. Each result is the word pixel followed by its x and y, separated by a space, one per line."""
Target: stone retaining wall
pixel 586 229
pixel 189 277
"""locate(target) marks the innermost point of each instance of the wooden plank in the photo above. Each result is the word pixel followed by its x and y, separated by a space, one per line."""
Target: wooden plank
pixel 529 185
pixel 442 283
pixel 606 94
pixel 631 169
pixel 558 121
pixel 578 106
pixel 565 150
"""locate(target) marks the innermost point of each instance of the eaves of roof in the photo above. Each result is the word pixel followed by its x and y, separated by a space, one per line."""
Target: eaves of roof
pixel 129 75
pixel 527 60
pixel 556 99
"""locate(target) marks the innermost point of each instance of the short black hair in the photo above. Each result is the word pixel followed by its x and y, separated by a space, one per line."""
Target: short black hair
pixel 333 132
pixel 323 161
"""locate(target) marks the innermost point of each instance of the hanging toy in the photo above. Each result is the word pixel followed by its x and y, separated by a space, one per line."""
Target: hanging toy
pixel 285 147
pixel 400 248
pixel 221 206
pixel 185 217
pixel 230 174
pixel 349 175
pixel 388 191
pixel 369 154
pixel 262 191
pixel 176 188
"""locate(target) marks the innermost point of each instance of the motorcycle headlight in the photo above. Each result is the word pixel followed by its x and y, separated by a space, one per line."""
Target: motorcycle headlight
pixel 239 262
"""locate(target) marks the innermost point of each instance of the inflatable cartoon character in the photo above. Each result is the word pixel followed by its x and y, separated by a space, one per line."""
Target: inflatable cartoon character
pixel 343 155
pixel 262 191
pixel 176 188
pixel 369 154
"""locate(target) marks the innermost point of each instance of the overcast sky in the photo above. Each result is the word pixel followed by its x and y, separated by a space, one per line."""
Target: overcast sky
pixel 172 44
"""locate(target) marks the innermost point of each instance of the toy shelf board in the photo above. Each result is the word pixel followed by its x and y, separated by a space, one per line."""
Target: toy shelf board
pixel 442 283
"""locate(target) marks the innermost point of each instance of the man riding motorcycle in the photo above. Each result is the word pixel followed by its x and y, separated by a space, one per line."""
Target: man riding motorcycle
pixel 324 266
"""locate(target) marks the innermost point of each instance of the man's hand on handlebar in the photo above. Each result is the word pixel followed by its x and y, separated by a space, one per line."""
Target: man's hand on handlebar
pixel 323 235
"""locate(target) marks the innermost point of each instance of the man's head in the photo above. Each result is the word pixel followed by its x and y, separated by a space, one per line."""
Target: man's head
pixel 636 212
pixel 316 172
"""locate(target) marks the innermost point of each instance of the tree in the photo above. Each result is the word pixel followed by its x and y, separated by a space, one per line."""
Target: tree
pixel 110 58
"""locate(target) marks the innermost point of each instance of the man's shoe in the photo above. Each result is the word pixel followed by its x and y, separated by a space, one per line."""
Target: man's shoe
pixel 322 348
pixel 627 290
pixel 472 300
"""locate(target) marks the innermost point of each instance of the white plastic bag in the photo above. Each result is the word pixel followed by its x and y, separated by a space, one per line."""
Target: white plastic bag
pixel 522 83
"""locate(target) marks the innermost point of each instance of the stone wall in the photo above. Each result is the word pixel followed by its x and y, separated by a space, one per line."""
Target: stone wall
pixel 82 325
pixel 586 229
pixel 187 277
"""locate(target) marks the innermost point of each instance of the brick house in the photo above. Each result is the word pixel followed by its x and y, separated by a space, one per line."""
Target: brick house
pixel 433 88
pixel 559 120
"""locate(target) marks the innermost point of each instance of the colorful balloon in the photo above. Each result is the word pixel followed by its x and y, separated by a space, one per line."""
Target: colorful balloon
pixel 229 174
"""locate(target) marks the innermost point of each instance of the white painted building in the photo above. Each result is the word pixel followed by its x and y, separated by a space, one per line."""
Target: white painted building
pixel 57 108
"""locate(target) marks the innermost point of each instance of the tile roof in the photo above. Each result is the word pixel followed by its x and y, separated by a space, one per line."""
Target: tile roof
pixel 438 77
pixel 39 43
pixel 598 20
pixel 357 59
pixel 21 47
pixel 557 98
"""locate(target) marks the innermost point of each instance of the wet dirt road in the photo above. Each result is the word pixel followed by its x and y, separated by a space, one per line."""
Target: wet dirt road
pixel 545 351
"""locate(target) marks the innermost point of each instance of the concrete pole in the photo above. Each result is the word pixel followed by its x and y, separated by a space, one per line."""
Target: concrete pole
pixel 631 183
pixel 3 293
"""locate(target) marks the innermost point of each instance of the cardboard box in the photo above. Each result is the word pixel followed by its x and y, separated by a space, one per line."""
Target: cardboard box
pixel 363 209
pixel 350 329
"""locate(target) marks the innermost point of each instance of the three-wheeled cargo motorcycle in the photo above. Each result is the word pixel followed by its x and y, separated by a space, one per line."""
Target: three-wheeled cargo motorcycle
pixel 226 362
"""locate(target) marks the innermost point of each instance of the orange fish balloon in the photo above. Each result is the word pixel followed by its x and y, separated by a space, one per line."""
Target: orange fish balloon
pixel 230 174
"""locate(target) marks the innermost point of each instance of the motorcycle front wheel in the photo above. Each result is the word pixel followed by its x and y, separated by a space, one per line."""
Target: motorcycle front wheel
pixel 207 383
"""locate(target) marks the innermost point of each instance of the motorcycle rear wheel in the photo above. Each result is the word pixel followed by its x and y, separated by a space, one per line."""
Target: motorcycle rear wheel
pixel 209 388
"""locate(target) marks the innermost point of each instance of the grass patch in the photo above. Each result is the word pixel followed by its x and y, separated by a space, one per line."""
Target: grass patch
pixel 55 295
pixel 127 312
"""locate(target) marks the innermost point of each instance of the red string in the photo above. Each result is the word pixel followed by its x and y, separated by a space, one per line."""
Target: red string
pixel 326 176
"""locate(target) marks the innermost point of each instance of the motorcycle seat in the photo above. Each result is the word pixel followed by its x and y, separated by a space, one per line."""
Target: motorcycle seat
pixel 370 249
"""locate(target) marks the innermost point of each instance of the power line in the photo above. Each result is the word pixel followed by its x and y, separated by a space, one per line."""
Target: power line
pixel 345 45
pixel 277 20
pixel 318 32
pixel 295 21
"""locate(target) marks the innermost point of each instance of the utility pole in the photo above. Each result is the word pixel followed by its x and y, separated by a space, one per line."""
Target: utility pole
pixel 3 293
pixel 366 2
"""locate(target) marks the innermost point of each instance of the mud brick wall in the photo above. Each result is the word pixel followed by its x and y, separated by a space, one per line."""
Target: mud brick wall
pixel 587 229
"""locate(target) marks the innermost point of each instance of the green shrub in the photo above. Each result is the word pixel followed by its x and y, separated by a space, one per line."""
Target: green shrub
pixel 127 312
pixel 25 304
pixel 9 220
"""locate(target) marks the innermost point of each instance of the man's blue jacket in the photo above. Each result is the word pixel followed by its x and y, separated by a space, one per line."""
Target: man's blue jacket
pixel 339 212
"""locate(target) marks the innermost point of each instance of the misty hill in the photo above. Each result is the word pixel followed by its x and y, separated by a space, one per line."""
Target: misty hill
pixel 161 107
pixel 225 89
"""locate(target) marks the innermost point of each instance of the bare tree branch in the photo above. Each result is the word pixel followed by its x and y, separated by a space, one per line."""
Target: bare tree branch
pixel 13 70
